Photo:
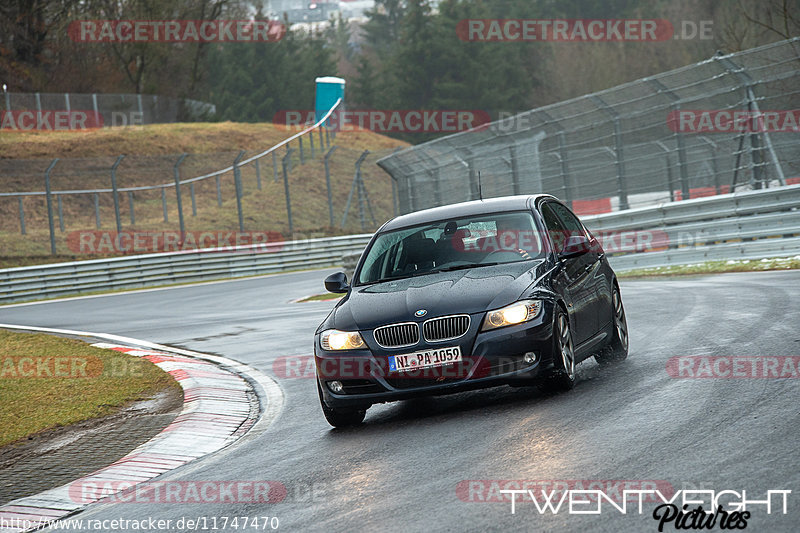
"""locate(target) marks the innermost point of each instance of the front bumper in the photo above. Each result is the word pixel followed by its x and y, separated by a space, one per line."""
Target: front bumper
pixel 491 358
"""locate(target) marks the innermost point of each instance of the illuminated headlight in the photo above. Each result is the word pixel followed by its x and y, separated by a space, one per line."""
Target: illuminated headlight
pixel 516 313
pixel 333 339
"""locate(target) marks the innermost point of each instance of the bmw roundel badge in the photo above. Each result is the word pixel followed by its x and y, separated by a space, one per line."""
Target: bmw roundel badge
pixel 421 313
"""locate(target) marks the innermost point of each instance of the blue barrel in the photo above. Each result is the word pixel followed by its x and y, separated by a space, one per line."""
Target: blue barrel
pixel 329 90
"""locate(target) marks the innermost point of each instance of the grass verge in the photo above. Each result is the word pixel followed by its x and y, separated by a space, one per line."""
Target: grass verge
pixel 328 296
pixel 48 381
pixel 715 267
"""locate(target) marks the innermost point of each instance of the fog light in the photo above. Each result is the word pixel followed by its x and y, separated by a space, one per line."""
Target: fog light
pixel 529 357
pixel 336 386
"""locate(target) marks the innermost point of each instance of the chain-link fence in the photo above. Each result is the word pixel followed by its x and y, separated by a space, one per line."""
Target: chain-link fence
pixel 665 138
pixel 307 186
pixel 104 109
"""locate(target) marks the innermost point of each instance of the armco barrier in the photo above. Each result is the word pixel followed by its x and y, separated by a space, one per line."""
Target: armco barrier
pixel 742 225
pixel 150 270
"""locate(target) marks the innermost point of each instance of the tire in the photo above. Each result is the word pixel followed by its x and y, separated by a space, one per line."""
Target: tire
pixel 340 418
pixel 562 376
pixel 616 350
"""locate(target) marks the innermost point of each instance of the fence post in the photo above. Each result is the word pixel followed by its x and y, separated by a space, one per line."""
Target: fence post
pixel 66 101
pixel 130 206
pixel 275 166
pixel 164 203
pixel 237 181
pixel 60 214
pixel 515 184
pixel 286 158
pixel 328 184
pixel 327 138
pixel 21 215
pixel 355 186
pixel 114 192
pixel 302 154
pixel 258 174
pixel 8 101
pixel 177 174
pixel 321 138
pixel 96 110
pixel 50 203
pixel 311 142
pixel 194 204
pixel 219 191
pixel 39 106
pixel 97 210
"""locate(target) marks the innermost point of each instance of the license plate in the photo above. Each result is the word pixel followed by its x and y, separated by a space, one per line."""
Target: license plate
pixel 424 359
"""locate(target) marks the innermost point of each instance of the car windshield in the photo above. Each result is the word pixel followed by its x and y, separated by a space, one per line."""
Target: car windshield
pixel 452 244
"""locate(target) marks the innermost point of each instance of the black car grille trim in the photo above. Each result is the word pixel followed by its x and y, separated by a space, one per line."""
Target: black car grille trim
pixel 445 328
pixel 397 335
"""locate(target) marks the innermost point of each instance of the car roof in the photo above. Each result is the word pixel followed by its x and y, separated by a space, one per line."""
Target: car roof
pixel 476 207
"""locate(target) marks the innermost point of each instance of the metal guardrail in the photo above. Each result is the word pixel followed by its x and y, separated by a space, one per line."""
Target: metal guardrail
pixel 150 270
pixel 742 225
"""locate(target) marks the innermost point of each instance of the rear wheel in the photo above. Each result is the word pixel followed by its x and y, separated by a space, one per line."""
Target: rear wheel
pixel 340 418
pixel 562 376
pixel 617 349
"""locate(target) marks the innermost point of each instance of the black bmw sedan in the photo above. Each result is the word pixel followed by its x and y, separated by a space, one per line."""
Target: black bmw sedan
pixel 511 290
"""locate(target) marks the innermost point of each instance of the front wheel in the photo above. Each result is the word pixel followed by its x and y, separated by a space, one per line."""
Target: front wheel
pixel 617 349
pixel 340 418
pixel 562 377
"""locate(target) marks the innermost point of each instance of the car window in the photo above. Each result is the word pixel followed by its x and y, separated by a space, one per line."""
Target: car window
pixel 568 219
pixel 480 239
pixel 555 228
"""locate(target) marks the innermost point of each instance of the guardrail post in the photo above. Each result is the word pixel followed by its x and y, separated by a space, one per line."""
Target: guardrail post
pixel 21 215
pixel 48 194
pixel 114 191
pixel 177 175
pixel 60 214
pixel 237 180
pixel 287 158
pixel 321 138
pixel 164 203
pixel 328 182
pixel 275 166
pixel 219 191
pixel 327 138
pixel 194 204
pixel 97 210
pixel 258 174
pixel 311 142
pixel 130 206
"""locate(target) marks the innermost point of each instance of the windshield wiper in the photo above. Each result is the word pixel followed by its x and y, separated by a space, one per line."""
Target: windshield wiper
pixel 463 267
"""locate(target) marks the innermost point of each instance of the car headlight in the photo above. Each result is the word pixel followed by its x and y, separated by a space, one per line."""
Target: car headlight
pixel 333 339
pixel 516 313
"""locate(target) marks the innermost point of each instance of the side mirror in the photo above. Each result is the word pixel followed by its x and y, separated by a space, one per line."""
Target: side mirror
pixel 576 245
pixel 337 283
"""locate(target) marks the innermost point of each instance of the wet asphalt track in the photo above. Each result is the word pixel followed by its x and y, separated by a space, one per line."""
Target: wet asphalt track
pixel 399 472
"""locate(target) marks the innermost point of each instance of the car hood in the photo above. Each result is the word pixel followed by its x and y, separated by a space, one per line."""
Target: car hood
pixel 444 293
